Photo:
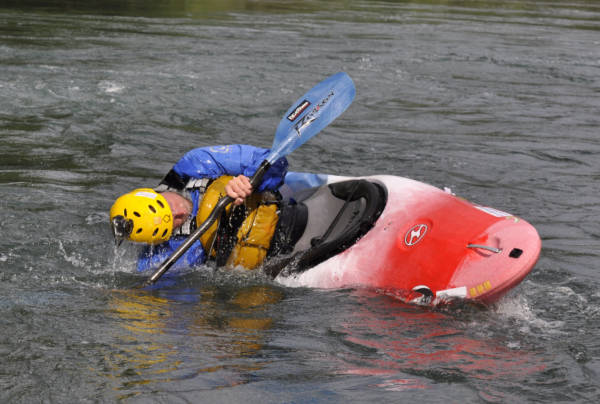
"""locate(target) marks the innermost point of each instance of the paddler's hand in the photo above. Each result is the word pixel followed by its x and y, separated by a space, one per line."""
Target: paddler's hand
pixel 239 188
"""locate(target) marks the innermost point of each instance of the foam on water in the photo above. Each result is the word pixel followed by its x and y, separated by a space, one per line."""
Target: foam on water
pixel 111 87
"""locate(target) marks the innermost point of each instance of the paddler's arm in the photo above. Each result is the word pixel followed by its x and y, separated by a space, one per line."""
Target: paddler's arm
pixel 213 162
pixel 151 257
pixel 239 188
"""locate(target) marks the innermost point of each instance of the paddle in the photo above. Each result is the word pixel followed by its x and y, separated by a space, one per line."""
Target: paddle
pixel 308 116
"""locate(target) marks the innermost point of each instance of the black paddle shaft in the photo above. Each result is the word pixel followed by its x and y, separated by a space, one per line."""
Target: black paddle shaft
pixel 255 181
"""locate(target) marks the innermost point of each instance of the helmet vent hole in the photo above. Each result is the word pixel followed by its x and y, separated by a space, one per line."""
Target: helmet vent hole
pixel 152 208
pixel 137 214
pixel 160 204
pixel 155 231
pixel 164 233
pixel 139 231
pixel 125 212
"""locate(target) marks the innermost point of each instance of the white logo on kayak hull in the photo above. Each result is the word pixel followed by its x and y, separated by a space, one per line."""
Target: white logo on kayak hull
pixel 415 234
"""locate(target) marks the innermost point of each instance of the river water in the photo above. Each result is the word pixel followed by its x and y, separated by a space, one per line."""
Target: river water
pixel 498 100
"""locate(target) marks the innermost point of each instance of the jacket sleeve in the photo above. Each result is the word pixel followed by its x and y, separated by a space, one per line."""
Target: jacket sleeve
pixel 213 162
pixel 152 257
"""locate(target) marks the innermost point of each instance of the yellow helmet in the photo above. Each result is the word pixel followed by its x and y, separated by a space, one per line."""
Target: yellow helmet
pixel 143 216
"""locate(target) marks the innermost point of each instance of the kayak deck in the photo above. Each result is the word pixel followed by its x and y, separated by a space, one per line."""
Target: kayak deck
pixel 429 245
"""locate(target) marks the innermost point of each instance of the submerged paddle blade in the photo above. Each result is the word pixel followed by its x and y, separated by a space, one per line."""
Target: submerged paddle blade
pixel 311 113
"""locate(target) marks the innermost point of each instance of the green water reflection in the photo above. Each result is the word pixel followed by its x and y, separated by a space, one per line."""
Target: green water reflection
pixel 214 339
pixel 205 8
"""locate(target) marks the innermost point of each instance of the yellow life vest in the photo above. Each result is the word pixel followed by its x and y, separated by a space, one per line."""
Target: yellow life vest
pixel 256 231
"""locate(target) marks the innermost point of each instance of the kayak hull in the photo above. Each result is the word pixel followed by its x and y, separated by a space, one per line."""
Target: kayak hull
pixel 429 246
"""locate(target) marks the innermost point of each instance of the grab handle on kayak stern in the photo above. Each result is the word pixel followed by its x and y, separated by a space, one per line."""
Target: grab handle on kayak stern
pixel 485 247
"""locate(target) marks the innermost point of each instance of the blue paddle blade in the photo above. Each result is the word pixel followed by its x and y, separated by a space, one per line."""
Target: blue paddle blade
pixel 311 113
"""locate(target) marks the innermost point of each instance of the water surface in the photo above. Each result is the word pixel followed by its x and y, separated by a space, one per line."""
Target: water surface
pixel 498 100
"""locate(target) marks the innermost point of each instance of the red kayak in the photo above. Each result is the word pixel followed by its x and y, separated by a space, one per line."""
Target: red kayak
pixel 407 238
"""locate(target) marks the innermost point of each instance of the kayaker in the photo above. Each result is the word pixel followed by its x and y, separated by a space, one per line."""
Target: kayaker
pixel 164 216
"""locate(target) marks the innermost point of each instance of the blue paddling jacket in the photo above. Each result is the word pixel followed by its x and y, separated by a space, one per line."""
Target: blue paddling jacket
pixel 211 163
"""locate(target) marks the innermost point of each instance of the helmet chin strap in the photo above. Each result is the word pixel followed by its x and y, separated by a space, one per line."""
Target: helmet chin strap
pixel 121 228
pixel 181 207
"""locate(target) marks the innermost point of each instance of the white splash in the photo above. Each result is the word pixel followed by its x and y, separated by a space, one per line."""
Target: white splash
pixel 74 258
